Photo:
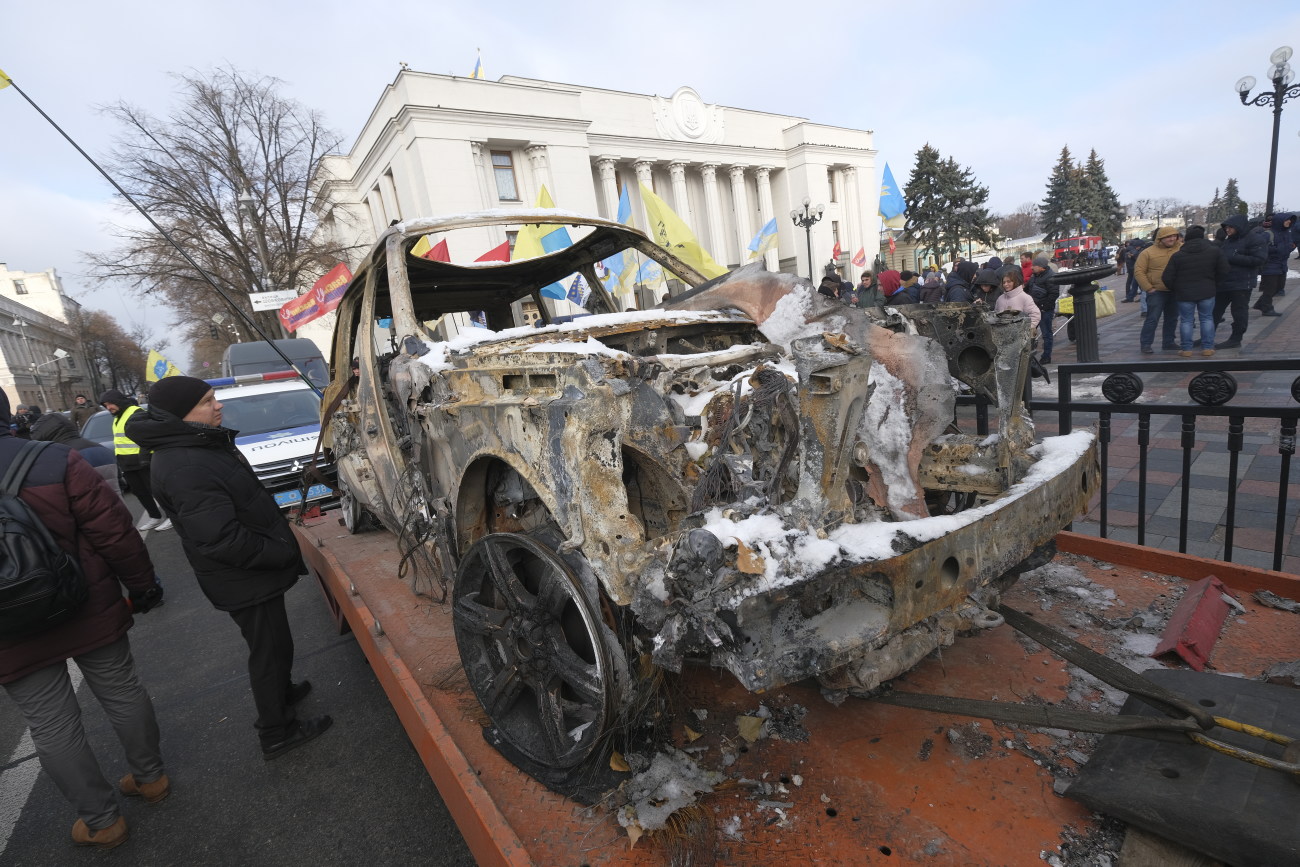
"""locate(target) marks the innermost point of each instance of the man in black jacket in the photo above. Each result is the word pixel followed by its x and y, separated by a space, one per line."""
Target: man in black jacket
pixel 237 540
pixel 1246 252
pixel 1193 275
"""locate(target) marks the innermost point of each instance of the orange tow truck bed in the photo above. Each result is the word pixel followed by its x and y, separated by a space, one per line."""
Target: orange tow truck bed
pixel 858 783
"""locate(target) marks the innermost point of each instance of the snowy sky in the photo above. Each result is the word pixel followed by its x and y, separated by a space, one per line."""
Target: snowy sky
pixel 999 85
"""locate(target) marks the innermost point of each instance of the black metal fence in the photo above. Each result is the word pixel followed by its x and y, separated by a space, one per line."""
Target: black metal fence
pixel 1202 395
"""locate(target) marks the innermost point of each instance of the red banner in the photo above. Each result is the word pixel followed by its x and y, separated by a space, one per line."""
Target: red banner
pixel 323 297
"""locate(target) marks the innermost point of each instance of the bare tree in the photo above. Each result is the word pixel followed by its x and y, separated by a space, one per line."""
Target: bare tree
pixel 117 358
pixel 1023 222
pixel 231 135
pixel 1145 209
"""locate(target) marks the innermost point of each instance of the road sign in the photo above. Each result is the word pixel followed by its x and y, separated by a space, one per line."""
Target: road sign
pixel 271 300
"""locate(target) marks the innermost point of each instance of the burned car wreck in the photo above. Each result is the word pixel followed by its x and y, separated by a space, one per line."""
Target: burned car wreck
pixel 751 474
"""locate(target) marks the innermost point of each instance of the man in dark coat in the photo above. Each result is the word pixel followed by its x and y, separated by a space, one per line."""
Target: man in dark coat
pixel 81 411
pixel 1044 295
pixel 237 540
pixel 1193 275
pixel 1246 253
pixel 1272 276
pixel 54 428
pixel 92 523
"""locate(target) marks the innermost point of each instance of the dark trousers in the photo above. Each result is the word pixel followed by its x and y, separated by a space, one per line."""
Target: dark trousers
pixel 1268 286
pixel 265 627
pixel 1045 332
pixel 1131 287
pixel 1239 302
pixel 138 480
pixel 1160 305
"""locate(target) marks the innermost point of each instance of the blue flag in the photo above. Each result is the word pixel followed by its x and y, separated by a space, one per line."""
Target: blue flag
pixel 624 208
pixel 891 198
pixel 1084 223
pixel 764 240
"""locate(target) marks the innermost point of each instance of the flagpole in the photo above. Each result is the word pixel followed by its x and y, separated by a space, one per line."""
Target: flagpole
pixel 186 256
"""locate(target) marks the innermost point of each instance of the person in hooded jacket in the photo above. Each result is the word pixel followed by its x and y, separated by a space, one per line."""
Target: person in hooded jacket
pixel 1272 276
pixel 988 289
pixel 81 411
pixel 1193 276
pixel 1246 253
pixel 891 285
pixel 959 286
pixel 932 291
pixel 86 519
pixel 57 429
pixel 1013 297
pixel 1148 268
pixel 237 540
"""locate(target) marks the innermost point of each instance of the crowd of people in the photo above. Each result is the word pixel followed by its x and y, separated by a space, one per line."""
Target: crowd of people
pixel 997 286
pixel 1183 282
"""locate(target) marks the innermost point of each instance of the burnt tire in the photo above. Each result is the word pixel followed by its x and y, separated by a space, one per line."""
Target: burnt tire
pixel 535 650
pixel 356 517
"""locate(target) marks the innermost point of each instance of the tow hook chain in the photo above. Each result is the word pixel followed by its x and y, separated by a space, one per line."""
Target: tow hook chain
pixel 1186 720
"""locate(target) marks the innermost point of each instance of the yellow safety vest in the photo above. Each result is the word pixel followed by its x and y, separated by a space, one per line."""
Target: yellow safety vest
pixel 123 444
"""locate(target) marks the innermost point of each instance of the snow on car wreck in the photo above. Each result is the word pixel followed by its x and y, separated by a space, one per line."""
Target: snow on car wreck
pixel 749 473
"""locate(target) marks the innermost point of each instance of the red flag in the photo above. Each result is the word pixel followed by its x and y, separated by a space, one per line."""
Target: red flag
pixel 496 254
pixel 836 253
pixel 330 288
pixel 860 258
pixel 438 252
pixel 891 245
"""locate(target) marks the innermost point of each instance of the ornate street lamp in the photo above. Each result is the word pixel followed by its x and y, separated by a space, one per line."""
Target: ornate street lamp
pixel 806 220
pixel 963 212
pixel 1281 74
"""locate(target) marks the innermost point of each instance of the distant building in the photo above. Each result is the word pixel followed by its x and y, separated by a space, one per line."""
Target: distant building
pixel 41 357
pixel 437 145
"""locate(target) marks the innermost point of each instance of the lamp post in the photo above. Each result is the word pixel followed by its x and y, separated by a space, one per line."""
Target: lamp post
pixel 31 357
pixel 1281 74
pixel 963 212
pixel 806 220
pixel 59 355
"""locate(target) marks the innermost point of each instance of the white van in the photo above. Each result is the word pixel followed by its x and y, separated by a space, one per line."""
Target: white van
pixel 278 423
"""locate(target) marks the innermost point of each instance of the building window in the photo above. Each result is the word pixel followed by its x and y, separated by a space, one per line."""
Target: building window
pixel 72 362
pixel 20 287
pixel 835 231
pixel 503 169
pixel 830 183
pixel 511 237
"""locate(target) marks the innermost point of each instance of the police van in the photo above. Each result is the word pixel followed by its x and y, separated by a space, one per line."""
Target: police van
pixel 278 420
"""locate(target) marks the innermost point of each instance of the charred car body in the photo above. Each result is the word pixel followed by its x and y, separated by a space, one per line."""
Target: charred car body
pixel 751 474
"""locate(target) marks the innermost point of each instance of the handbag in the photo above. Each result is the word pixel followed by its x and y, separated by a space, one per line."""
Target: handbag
pixel 1103 298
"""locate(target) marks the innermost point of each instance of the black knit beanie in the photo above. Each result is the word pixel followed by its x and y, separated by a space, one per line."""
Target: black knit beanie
pixel 177 394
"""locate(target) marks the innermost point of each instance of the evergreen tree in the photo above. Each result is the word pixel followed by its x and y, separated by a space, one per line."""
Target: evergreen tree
pixel 946 206
pixel 1232 202
pixel 1214 210
pixel 1102 208
pixel 1065 199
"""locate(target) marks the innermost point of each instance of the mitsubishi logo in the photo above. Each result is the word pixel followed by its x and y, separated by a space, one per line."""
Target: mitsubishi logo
pixel 297 466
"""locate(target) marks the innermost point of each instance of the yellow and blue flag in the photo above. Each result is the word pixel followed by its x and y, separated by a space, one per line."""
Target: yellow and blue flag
pixel 650 274
pixel 478 68
pixel 4 80
pixel 535 239
pixel 892 206
pixel 157 368
pixel 671 232
pixel 765 240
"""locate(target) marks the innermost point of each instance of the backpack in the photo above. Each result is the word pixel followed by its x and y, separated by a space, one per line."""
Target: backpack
pixel 41 585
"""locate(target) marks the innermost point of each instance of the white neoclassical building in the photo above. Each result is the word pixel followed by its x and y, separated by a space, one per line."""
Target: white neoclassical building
pixel 41 357
pixel 440 144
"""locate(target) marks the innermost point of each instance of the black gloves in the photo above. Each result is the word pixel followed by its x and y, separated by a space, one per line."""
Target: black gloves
pixel 145 600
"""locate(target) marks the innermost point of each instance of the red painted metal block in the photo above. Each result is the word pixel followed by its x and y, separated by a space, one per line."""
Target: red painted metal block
pixel 1194 627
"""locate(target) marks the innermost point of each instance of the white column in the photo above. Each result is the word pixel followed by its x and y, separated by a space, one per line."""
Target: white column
pixel 609 185
pixel 681 201
pixel 645 175
pixel 541 169
pixel 485 192
pixel 853 217
pixel 763 174
pixel 713 210
pixel 740 198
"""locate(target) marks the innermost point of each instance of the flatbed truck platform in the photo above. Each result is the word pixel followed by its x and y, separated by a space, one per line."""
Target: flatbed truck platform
pixel 854 783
